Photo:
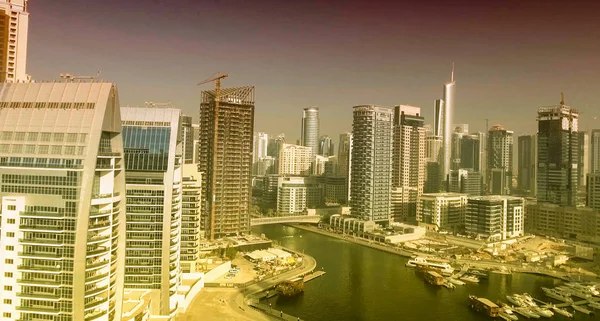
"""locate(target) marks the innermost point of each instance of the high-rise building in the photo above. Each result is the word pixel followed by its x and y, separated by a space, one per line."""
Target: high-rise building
pixel 433 155
pixel 295 160
pixel 226 159
pixel 583 160
pixel 593 191
pixel 190 218
pixel 153 151
pixel 408 162
pixel 14 25
pixel 442 210
pixel 344 154
pixel 326 146
pixel 499 160
pixel 465 181
pixel 482 156
pixel 187 139
pixel 470 153
pixel 296 194
pixel 443 121
pixel 371 167
pixel 495 217
pixel 457 136
pixel 310 129
pixel 595 151
pixel 557 155
pixel 62 193
pixel 260 149
pixel 527 158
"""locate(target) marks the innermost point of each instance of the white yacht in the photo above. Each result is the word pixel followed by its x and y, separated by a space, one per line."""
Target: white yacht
pixel 470 278
pixel 456 281
pixel 445 268
pixel 589 289
pixel 562 312
pixel 553 293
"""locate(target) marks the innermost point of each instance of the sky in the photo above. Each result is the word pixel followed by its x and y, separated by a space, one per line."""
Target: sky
pixel 510 56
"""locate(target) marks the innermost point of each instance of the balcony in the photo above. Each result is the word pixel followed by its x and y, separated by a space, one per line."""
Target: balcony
pixel 109 154
pixel 41 295
pixel 98 238
pixel 39 268
pixel 38 281
pixel 43 309
pixel 98 224
pixel 41 241
pixel 97 251
pixel 93 291
pixel 95 277
pixel 93 315
pixel 41 227
pixel 95 303
pixel 49 255
pixel 96 264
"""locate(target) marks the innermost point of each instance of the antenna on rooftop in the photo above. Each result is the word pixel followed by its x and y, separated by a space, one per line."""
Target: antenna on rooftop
pixel 562 99
pixel 70 77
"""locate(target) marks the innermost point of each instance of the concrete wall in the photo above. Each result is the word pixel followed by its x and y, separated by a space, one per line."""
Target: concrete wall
pixel 217 272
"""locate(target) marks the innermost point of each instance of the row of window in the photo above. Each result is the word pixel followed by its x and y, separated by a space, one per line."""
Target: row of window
pixel 44 137
pixel 40 162
pixel 48 105
pixel 42 149
pixel 66 193
pixel 39 180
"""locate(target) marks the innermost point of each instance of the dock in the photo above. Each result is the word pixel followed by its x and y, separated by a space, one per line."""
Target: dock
pixel 313 276
pixel 575 305
pixel 463 270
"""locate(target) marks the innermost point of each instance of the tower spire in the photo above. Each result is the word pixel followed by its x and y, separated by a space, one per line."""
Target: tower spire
pixel 452 74
pixel 562 99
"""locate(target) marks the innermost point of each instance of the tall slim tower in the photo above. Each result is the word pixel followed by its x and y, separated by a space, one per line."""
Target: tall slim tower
pixel 557 154
pixel 14 24
pixel 62 193
pixel 344 154
pixel 527 162
pixel 310 129
pixel 232 170
pixel 595 151
pixel 371 163
pixel 187 138
pixel 261 143
pixel 408 165
pixel 443 123
pixel 153 152
pixel 499 160
pixel 583 160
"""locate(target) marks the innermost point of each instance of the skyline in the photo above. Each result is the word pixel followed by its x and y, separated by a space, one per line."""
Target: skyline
pixel 385 55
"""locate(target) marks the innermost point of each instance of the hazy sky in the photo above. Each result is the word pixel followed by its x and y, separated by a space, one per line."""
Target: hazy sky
pixel 511 56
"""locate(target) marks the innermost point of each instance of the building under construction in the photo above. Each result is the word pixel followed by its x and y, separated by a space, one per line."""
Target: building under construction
pixel 225 155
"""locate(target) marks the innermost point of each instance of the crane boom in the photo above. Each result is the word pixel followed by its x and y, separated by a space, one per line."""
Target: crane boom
pixel 217 79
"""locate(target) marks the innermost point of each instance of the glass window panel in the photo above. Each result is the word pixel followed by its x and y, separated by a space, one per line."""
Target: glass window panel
pixel 32 137
pixel 45 137
pixel 43 149
pixel 71 138
pixel 58 137
pixel 7 135
pixel 56 150
pixel 17 148
pixel 19 136
pixel 29 149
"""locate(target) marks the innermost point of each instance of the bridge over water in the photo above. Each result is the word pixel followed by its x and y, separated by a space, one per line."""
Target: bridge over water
pixel 314 219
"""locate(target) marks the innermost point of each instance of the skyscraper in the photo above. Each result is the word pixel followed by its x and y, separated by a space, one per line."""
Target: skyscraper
pixel 14 23
pixel 499 160
pixel 443 121
pixel 190 218
pixel 583 159
pixel 153 149
pixel 470 153
pixel 527 162
pixel 226 159
pixel 63 201
pixel 408 164
pixel 371 166
pixel 261 143
pixel 557 155
pixel 309 136
pixel 344 154
pixel 433 148
pixel 326 147
pixel 595 151
pixel 187 138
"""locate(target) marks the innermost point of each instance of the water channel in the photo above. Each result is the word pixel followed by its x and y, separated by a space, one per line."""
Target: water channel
pixel 366 284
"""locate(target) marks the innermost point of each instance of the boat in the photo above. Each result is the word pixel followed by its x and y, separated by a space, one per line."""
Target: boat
pixel 456 281
pixel 484 305
pixel 590 289
pixel 574 292
pixel 478 273
pixel 553 293
pixel 514 299
pixel 449 285
pixel 434 278
pixel 594 305
pixel 422 262
pixel 470 278
pixel 581 309
pixel 527 313
pixel 542 311
pixel 508 317
pixel 562 312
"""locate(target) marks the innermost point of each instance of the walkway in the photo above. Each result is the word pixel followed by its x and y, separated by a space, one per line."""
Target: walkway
pixel 286 219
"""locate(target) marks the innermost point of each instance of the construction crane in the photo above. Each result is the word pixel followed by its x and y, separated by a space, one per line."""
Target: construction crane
pixel 217 80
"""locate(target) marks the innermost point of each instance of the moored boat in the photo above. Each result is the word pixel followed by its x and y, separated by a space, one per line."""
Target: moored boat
pixel 595 305
pixel 557 295
pixel 562 312
pixel 484 305
pixel 456 281
pixel 508 317
pixel 542 311
pixel 582 309
pixel 470 278
pixel 514 299
pixel 424 263
pixel 527 313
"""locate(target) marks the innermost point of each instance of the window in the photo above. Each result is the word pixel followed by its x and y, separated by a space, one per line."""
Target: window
pixel 45 137
pixel 71 138
pixel 10 234
pixel 32 137
pixel 29 149
pixel 8 288
pixel 57 150
pixel 4 148
pixel 70 150
pixel 10 220
pixel 9 261
pixel 8 274
pixel 43 149
pixel 58 137
pixel 19 136
pixel 7 315
pixel 17 149
pixel 12 207
pixel 6 136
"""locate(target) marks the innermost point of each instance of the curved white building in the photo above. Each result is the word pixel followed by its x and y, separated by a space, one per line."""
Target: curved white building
pixel 310 129
pixel 62 185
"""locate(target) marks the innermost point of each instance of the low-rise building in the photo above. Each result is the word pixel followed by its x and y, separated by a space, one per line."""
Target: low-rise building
pixel 296 194
pixel 577 223
pixel 495 217
pixel 442 210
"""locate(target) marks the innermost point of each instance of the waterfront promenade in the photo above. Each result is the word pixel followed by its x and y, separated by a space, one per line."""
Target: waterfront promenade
pixel 225 304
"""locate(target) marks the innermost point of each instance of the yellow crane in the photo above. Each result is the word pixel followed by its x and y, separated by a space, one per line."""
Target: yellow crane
pixel 217 80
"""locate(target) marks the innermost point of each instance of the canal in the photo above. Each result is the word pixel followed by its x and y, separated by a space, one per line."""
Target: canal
pixel 366 284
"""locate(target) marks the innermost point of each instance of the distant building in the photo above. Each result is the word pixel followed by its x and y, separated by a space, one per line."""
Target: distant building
pixel 465 181
pixel 595 151
pixel 321 164
pixel 260 146
pixel 433 179
pixel 343 155
pixel 265 166
pixel 190 218
pixel 443 125
pixel 583 153
pixel 371 177
pixel 442 210
pixel 187 139
pixel 593 191
pixel 326 146
pixel 295 160
pixel 152 145
pixel 14 20
pixel 309 136
pixel 557 161
pixel 527 164
pixel 495 217
pixel 470 153
pixel 336 190
pixel 582 224
pixel 499 160
pixel 228 168
pixel 296 194
pixel 408 164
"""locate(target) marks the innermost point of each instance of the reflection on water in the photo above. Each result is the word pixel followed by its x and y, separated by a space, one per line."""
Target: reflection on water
pixel 366 284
